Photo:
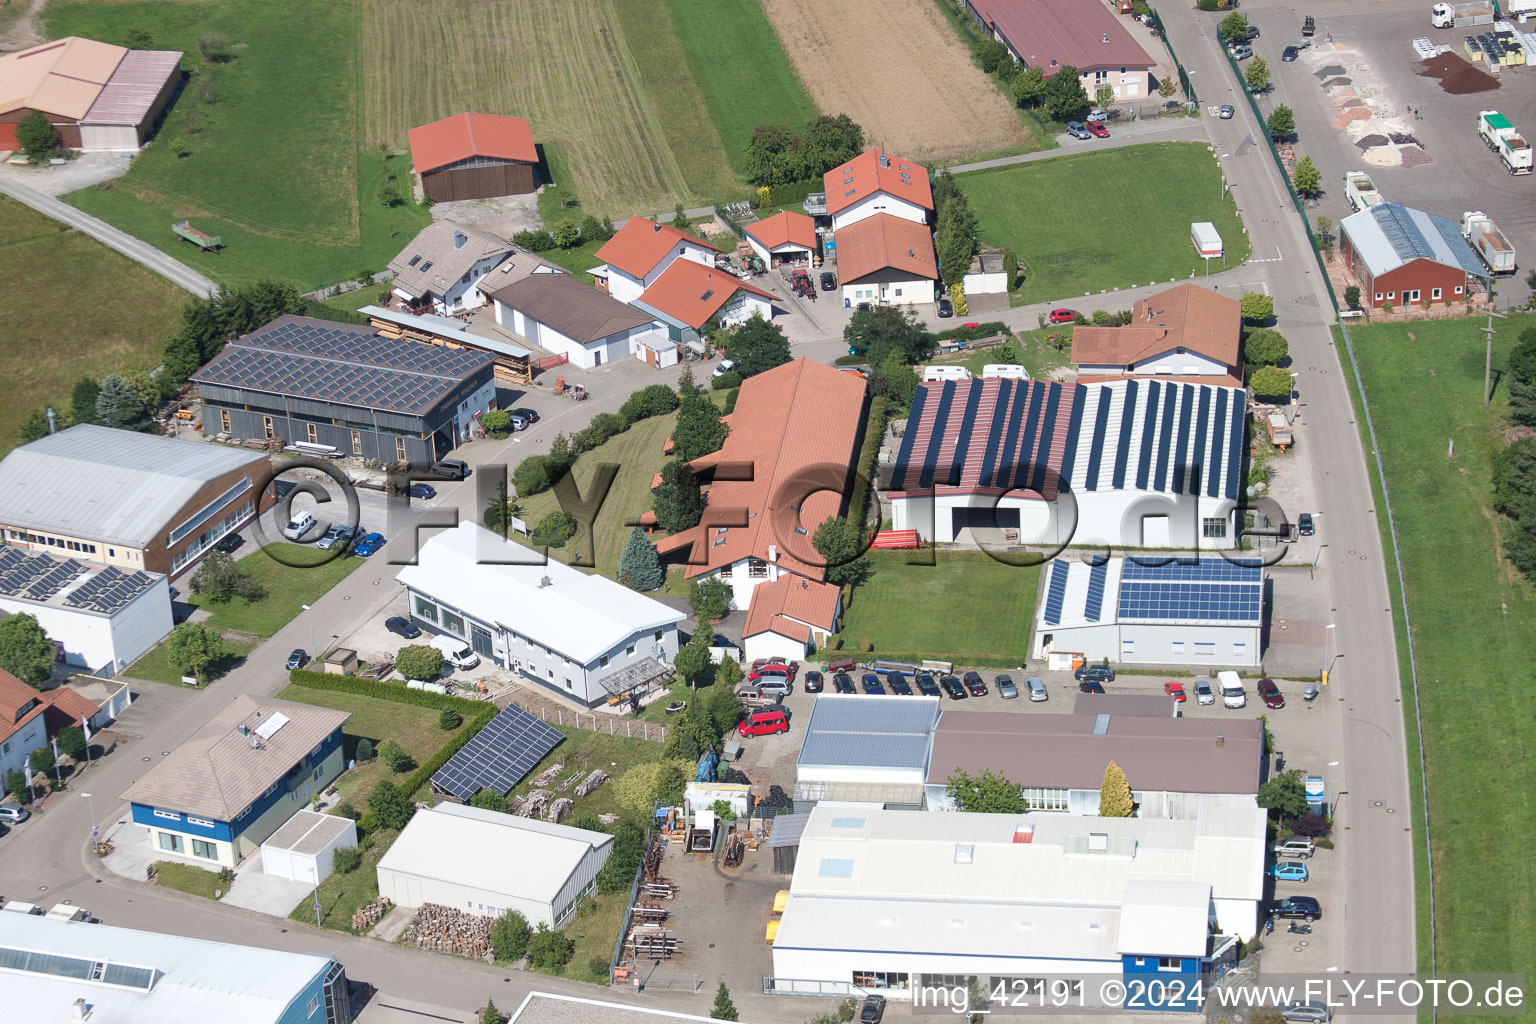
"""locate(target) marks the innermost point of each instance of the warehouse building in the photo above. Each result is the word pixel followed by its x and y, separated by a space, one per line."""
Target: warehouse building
pixel 97 96
pixel 56 971
pixel 1051 34
pixel 548 1008
pixel 581 635
pixel 1176 767
pixel 345 390
pixel 474 156
pixel 866 750
pixel 103 617
pixel 487 863
pixel 137 501
pixel 1406 257
pixel 1202 613
pixel 889 900
pixel 1128 463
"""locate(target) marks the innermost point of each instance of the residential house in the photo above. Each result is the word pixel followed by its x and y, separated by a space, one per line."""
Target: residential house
pixel 688 295
pixel 438 271
pixel 98 97
pixel 1186 331
pixel 886 260
pixel 474 156
pixel 641 251
pixel 561 315
pixel 875 182
pixel 1050 34
pixel 23 727
pixel 787 615
pixel 785 237
pixel 1405 257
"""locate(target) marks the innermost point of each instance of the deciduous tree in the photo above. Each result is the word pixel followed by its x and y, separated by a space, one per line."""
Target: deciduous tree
pixel 395 756
pixel 990 54
pixel 548 950
pixel 509 936
pixel 390 807
pixel 192 647
pixel 709 597
pixel 219 578
pixel 1520 378
pixel 1265 347
pixel 1166 88
pixel 1284 795
pixel 1064 95
pixel 418 661
pixel 692 661
pixel 756 346
pixel 878 333
pixel 1115 799
pixel 567 234
pixel 1233 26
pixel 72 741
pixel 36 137
pixel 986 793
pixel 841 542
pixel 1257 74
pixel 1256 307
pixel 1281 123
pixel 1027 88
pixel 895 381
pixel 1307 178
pixel 1270 382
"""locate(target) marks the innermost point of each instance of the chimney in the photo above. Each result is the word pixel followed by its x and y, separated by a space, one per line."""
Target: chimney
pixel 1053 62
pixel 80 1013
pixel 1106 37
pixel 655 227
pixel 773 552
pixel 1024 834
pixel 459 238
pixel 1221 741
pixel 243 729
pixel 545 581
pixel 53 421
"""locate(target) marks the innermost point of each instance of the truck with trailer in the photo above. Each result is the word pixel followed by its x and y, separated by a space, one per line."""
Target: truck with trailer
pixel 1493 248
pixel 1478 12
pixel 1505 139
pixel 1360 191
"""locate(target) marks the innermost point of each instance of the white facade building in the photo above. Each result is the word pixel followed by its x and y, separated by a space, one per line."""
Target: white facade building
pixel 874 183
pixel 581 635
pixel 106 618
pixel 560 314
pixel 443 266
pixel 304 848
pixel 641 251
pixel 870 751
pixel 487 863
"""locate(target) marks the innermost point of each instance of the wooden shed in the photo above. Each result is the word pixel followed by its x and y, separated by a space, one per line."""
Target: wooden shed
pixel 474 156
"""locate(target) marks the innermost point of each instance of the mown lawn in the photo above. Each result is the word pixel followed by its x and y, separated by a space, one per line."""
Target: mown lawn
pixel 188 878
pixel 288 588
pixel 156 667
pixel 1041 357
pixel 1115 218
pixel 966 607
pixel 1424 382
pixel 122 328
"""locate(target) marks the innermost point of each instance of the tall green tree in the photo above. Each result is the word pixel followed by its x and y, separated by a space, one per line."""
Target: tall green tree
pixel 419 661
pixel 1284 795
pixel 831 140
pixel 1270 382
pixel 1115 800
pixel 82 400
pixel 1233 26
pixel 709 597
pixel 1256 307
pixel 699 429
pixel 723 1009
pixel 840 541
pixel 986 793
pixel 25 650
pixel 1265 347
pixel 756 346
pixel 71 741
pixel 219 578
pixel 990 55
pixel 1520 378
pixel 1065 97
pixel 1257 74
pixel 723 708
pixel 692 662
pixel 1281 123
pixel 36 137
pixel 509 936
pixel 1027 88
pixel 1307 178
pixel 639 565
pixel 678 500
pixel 878 333
pixel 118 406
pixel 895 381
pixel 193 647
pixel 34 428
pixel 390 807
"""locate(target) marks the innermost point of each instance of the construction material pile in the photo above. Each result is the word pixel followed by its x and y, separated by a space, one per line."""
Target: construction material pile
pixel 1456 76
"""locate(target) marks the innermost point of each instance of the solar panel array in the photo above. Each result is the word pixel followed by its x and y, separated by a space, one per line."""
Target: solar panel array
pixel 36 577
pixel 1215 602
pixel 1094 603
pixel 1206 570
pixel 499 756
pixel 110 589
pixel 1056 592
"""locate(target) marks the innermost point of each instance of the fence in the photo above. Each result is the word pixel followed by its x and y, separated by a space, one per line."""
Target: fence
pixel 1184 83
pixel 629 908
pixel 802 987
pixel 321 294
pixel 599 723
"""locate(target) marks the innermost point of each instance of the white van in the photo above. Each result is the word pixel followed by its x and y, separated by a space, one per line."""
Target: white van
pixel 1231 687
pixel 456 652
pixel 301 524
pixel 933 373
pixel 1010 371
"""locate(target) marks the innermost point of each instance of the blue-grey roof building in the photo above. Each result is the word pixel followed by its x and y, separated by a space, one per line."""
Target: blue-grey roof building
pixel 870 750
pixel 55 971
pixel 1404 257
pixel 331 388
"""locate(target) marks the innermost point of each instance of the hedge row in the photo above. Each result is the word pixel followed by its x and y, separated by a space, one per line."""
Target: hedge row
pixel 985 330
pixel 423 774
pixel 397 692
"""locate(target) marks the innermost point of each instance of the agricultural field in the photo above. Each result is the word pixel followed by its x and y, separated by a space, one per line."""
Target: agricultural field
pixel 1462 596
pixel 1076 228
pixel 52 342
pixel 901 72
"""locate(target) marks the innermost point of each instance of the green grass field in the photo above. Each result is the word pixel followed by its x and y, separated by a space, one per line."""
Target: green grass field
pixel 288 587
pixel 156 667
pixel 984 608
pixel 1078 226
pixel 45 264
pixel 1465 601
pixel 173 874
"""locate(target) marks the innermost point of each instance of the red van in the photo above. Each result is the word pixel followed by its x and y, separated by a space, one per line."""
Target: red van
pixel 764 722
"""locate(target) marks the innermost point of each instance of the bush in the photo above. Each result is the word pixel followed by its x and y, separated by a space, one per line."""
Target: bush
pixel 346 859
pixel 1270 382
pixel 16 785
pixel 365 749
pixel 509 936
pixel 396 757
pixel 1352 296
pixel 555 529
pixel 1312 825
pixel 420 662
pixel 1208 5
pixel 603 426
pixel 497 423
pixel 652 400
pixel 532 476
pixel 618 871
pixel 550 951
pixel 1102 318
pixel 725 381
pixel 449 720
pixel 388 806
pixel 346 810
pixel 535 241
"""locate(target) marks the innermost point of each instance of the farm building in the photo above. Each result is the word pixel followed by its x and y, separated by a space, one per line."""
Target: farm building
pixel 687 295
pixel 1201 614
pixel 303 849
pixel 581 635
pixel 1406 257
pixel 474 156
pixel 559 314
pixel 129 976
pixel 799 427
pixel 97 96
pixel 886 260
pixel 1134 463
pixel 889 900
pixel 1176 767
pixel 1049 34
pixel 641 251
pixel 396 401
pixel 103 617
pixel 786 237
pixel 133 500
pixel 873 183
pixel 1186 331
pixel 871 751
pixel 440 270
pixel 787 615
pixel 457 856
pixel 216 798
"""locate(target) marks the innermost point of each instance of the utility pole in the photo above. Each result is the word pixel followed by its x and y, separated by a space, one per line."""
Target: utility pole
pixel 1488 356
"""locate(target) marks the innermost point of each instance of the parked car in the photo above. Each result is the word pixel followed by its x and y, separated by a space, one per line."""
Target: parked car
pixel 402 627
pixel 926 686
pixel 1175 690
pixel 1249 36
pixel 828 281
pixel 1289 54
pixel 976 685
pixel 1305 907
pixel 946 308
pixel 1270 694
pixel 776 686
pixel 1062 316
pixel 1098 114
pixel 1242 52
pixel 813 683
pixel 1098 673
pixel 1304 525
pixel 764 721
pixel 844 683
pixel 774 667
pixel 1294 848
pixel 872 1010
pixel 370 543
pixel 1077 130
pixel 522 419
pixel 1307 1013
pixel 1036 688
pixel 952 687
pixel 297 659
pixel 299 525
pixel 1227 112
pixel 898 684
pixel 1090 686
pixel 1097 129
pixel 1289 871
pixel 871 684
pixel 452 469
pixel 423 491
pixel 1203 692
pixel 229 543
pixel 725 367
pixel 337 536
pixel 14 813
pixel 1005 687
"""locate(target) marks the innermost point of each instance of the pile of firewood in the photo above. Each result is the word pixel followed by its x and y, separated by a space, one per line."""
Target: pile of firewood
pixel 446 930
pixel 591 782
pixel 368 915
pixel 558 809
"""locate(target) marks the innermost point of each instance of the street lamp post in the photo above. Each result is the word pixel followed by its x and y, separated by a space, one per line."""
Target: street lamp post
pixel 93 813
pixel 1327 636
pixel 309 616
pixel 1317 550
pixel 1294 375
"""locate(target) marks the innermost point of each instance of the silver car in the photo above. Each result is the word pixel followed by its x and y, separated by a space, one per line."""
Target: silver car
pixel 1036 688
pixel 1203 692
pixel 1308 1013
pixel 14 813
pixel 1226 112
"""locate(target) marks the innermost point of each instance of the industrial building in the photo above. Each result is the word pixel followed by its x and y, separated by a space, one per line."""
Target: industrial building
pixel 886 900
pixel 549 1008
pixel 487 863
pixel 98 97
pixel 216 798
pixel 1204 613
pixel 866 750
pixel 581 635
pixel 345 390
pixel 123 498
pixel 103 617
pixel 1128 463
pixel 1406 257
pixel 1176 767
pixel 1051 34
pixel 474 156
pixel 57 971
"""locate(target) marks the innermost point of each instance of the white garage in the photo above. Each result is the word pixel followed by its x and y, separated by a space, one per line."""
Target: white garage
pixel 487 863
pixel 303 849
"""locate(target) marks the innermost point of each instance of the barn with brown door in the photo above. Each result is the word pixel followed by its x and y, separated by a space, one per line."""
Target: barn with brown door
pixel 474 156
pixel 97 96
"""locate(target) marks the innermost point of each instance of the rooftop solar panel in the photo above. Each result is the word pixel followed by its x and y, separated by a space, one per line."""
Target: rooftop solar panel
pixel 499 756
pixel 1056 592
pixel 1207 570
pixel 1094 604
pixel 1215 602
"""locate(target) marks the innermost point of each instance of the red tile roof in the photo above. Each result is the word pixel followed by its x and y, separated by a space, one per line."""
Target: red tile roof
pixel 883 241
pixel 876 171
pixel 639 245
pixel 784 228
pixel 799 422
pixel 691 293
pixel 788 603
pixel 1083 33
pixel 1212 380
pixel 19 704
pixel 465 135
pixel 66 708
pixel 1184 317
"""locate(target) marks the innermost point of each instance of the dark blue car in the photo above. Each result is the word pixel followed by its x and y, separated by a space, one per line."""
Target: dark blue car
pixel 898 684
pixel 871 683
